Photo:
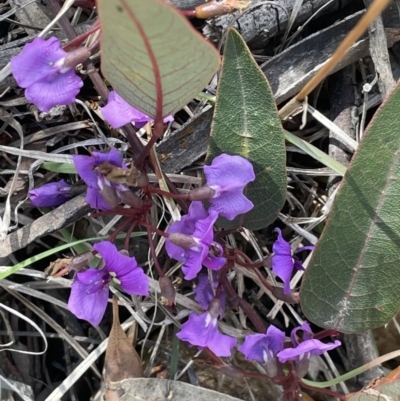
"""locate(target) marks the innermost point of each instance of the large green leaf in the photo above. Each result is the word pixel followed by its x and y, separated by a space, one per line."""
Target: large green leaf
pixel 152 56
pixel 246 123
pixel 353 280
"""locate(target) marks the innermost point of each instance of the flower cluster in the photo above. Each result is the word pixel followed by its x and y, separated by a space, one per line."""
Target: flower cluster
pixel 191 239
pixel 89 292
pixel 269 350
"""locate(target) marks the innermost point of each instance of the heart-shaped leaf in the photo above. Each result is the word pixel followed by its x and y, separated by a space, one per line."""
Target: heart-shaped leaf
pixel 352 282
pixel 152 56
pixel 246 123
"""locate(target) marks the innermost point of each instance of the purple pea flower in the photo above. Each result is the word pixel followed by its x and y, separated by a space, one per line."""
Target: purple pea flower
pixel 89 291
pixel 204 293
pixel 283 262
pixel 51 194
pixel 118 113
pixel 264 348
pixel 302 352
pixel 101 193
pixel 47 73
pixel 190 240
pixel 202 331
pixel 227 176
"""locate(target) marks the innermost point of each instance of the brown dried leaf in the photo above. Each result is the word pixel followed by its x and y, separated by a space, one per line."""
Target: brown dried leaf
pixel 121 361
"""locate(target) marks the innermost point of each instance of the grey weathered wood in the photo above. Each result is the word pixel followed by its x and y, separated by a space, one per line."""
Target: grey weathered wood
pixel 187 144
pixel 58 218
pixel 185 4
pixel 289 71
pixel 379 52
pixel 263 23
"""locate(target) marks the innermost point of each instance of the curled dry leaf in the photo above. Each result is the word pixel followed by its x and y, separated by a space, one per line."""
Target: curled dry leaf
pixel 121 361
pixel 128 176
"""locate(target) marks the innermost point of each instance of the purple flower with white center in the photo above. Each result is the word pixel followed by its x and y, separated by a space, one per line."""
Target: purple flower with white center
pixel 283 261
pixel 202 331
pixel 101 193
pixel 204 293
pixel 190 241
pixel 42 70
pixel 89 291
pixel 302 352
pixel 227 176
pixel 118 113
pixel 264 348
pixel 51 194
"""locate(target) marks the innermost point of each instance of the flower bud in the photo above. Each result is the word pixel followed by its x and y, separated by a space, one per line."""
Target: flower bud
pixel 79 262
pixel 51 194
pixel 290 298
pixel 214 308
pixel 167 291
pixel 202 193
pixel 182 240
pixel 131 199
pixel 76 57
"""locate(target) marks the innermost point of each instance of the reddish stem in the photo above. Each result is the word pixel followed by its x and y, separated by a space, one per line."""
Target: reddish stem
pixel 158 191
pixel 255 319
pixel 119 228
pixel 153 229
pixel 128 235
pixel 153 252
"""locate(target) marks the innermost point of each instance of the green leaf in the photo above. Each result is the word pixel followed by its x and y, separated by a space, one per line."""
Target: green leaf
pixel 246 123
pixel 152 56
pixel 65 168
pixel 353 279
pixel 315 153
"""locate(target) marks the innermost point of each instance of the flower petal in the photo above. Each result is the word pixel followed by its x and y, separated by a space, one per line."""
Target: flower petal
pixel 36 61
pixel 229 173
pixel 118 112
pixel 308 347
pixel 96 200
pixel 281 247
pixel 61 90
pixel 307 333
pixel 203 291
pixel 83 305
pixel 263 347
pixel 231 204
pixel 193 262
pixel 199 330
pixel 131 277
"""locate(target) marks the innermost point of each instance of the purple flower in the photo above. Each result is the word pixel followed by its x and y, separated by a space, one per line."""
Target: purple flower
pixel 305 349
pixel 40 69
pixel 227 176
pixel 263 347
pixel 89 291
pixel 302 352
pixel 194 245
pixel 204 293
pixel 51 194
pixel 118 113
pixel 283 262
pixel 202 331
pixel 101 193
